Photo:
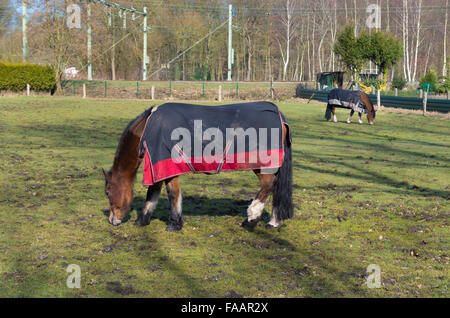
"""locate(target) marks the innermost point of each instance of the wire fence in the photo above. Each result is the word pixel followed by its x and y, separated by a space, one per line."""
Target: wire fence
pixel 412 103
pixel 183 90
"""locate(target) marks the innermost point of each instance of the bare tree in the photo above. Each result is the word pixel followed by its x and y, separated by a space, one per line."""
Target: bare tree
pixel 444 67
pixel 288 22
pixel 418 18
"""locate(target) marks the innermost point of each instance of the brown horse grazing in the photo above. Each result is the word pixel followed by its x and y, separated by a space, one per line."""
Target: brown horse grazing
pixel 335 100
pixel 120 178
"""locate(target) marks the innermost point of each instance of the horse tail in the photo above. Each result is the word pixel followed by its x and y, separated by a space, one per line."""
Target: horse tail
pixel 282 191
pixel 328 112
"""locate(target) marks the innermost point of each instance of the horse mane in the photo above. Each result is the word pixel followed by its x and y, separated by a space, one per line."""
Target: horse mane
pixel 133 130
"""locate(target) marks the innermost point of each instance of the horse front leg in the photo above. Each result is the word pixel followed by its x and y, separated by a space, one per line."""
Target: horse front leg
pixel 175 198
pixel 349 120
pixel 333 110
pixel 151 202
pixel 256 208
pixel 360 118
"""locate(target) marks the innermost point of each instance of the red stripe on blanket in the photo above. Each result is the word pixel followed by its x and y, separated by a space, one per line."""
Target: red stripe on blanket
pixel 169 168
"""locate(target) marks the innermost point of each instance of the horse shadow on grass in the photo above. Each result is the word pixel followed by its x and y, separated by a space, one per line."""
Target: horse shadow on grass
pixel 266 248
pixel 194 206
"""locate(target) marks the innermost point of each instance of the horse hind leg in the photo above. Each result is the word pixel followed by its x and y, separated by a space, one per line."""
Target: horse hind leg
pixel 175 198
pixel 151 202
pixel 256 208
pixel 360 119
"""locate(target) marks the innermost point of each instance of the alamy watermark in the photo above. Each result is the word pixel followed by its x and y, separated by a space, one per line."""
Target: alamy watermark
pixel 249 146
pixel 373 21
pixel 74 279
pixel 73 20
pixel 374 277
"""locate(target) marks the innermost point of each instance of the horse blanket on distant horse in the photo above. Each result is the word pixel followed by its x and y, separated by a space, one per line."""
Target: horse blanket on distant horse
pixel 347 99
pixel 184 138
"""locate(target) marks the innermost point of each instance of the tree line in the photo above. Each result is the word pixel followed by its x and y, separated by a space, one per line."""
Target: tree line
pixel 289 40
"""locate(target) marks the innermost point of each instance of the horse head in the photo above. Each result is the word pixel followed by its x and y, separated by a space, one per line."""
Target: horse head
pixel 371 111
pixel 120 195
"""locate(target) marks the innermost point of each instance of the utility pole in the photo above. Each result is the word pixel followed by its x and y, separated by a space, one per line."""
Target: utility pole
pixel 122 13
pixel 24 30
pixel 230 40
pixel 89 34
pixel 144 53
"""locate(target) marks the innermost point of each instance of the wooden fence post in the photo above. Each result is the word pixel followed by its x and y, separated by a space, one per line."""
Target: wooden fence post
pixel 28 89
pixel 421 93
pixel 271 88
pixel 378 99
pixel 220 93
pixel 373 90
pixel 396 92
pixel 153 92
pixel 425 99
pixel 84 90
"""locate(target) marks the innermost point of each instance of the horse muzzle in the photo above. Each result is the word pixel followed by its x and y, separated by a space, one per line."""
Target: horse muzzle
pixel 113 220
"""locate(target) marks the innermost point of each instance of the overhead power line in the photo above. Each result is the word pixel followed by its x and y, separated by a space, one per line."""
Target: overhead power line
pixel 189 48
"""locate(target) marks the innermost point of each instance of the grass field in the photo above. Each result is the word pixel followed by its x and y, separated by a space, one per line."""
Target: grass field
pixel 363 195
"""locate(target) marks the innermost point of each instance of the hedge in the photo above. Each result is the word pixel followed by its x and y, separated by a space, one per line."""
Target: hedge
pixel 15 77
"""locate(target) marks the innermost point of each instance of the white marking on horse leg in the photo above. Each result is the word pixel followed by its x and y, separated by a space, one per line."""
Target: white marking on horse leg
pixel 179 201
pixel 273 220
pixel 335 118
pixel 176 218
pixel 150 206
pixel 255 210
pixel 360 121
pixel 349 120
pixel 153 193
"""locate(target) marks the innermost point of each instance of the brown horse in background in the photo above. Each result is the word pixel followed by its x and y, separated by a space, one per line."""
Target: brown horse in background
pixel 120 178
pixel 368 105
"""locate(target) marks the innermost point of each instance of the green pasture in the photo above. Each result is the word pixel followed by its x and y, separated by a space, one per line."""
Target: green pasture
pixel 363 195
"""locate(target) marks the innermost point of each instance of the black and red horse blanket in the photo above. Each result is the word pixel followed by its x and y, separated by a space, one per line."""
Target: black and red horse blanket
pixel 347 99
pixel 177 139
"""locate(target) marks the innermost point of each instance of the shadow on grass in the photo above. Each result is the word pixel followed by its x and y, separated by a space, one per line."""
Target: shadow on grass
pixel 277 259
pixel 373 177
pixel 269 248
pixel 195 206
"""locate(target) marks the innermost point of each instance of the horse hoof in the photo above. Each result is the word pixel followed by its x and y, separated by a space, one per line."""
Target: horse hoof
pixel 272 227
pixel 142 221
pixel 250 224
pixel 174 227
